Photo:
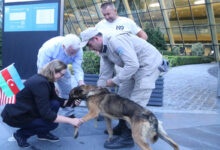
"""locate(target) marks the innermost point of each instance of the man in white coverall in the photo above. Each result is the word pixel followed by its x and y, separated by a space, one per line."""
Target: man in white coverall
pixel 139 61
pixel 66 49
pixel 113 24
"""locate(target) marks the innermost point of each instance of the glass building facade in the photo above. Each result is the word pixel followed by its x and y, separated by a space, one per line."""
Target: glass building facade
pixel 183 22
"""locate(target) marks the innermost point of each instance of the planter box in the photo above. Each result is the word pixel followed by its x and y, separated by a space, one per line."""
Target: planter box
pixel 156 98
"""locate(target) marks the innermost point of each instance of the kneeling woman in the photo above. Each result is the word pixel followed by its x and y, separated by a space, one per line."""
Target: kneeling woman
pixel 35 111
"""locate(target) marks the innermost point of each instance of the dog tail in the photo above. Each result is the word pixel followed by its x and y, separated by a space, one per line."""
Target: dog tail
pixel 76 133
pixel 163 135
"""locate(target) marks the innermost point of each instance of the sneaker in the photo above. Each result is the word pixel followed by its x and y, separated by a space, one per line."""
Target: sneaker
pixel 48 137
pixel 22 142
pixel 119 142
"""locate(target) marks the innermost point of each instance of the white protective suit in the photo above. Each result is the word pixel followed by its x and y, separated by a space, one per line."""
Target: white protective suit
pixel 139 61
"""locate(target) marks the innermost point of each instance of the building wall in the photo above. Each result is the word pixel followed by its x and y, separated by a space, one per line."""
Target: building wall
pixel 183 22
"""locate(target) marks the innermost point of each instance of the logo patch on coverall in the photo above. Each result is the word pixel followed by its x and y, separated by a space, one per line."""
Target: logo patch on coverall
pixel 120 50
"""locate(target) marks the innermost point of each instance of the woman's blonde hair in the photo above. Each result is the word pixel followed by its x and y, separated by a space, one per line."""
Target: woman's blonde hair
pixel 52 67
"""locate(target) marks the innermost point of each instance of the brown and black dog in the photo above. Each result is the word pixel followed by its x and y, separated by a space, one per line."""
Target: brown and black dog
pixel 144 124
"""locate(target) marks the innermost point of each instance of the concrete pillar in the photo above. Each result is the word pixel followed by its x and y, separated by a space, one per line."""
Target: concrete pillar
pixel 211 18
pixel 167 22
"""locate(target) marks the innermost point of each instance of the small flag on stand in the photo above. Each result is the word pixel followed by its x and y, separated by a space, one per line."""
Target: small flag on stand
pixel 10 85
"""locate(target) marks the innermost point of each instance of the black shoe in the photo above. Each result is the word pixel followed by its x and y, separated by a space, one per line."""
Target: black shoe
pixel 72 116
pixel 48 137
pixel 119 142
pixel 117 130
pixel 100 118
pixel 22 142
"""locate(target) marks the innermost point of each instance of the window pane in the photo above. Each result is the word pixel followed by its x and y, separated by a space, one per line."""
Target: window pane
pixel 216 8
pixel 83 3
pixel 197 2
pixel 153 5
pixel 145 17
pixel 121 9
pixel 171 14
pixel 88 2
pixel 181 3
pixel 68 22
pixel 85 13
pixel 215 0
pixel 177 35
pixel 141 5
pixel 188 34
pixel 168 4
pixel 132 6
pixel 199 14
pixel 157 18
pixel 203 33
pixel 93 13
pixel 185 16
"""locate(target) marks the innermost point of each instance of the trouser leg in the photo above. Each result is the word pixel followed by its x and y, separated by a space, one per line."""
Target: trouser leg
pixel 125 88
pixel 123 91
pixel 143 86
pixel 122 141
pixel 141 97
pixel 39 126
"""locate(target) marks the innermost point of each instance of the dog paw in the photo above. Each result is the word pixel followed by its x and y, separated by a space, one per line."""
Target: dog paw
pixel 76 135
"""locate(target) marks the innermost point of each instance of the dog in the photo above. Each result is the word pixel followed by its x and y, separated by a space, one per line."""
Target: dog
pixel 144 124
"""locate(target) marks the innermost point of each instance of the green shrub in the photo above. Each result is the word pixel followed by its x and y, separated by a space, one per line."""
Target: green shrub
pixel 91 62
pixel 165 52
pixel 197 49
pixel 184 60
pixel 155 37
pixel 176 50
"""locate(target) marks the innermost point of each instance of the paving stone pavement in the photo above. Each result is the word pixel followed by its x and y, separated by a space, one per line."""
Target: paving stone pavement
pixel 190 88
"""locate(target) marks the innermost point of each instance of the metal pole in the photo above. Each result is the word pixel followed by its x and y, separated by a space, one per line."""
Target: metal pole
pixel 61 16
pixel 218 90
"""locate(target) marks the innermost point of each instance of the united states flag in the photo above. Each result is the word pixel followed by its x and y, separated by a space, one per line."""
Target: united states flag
pixel 6 100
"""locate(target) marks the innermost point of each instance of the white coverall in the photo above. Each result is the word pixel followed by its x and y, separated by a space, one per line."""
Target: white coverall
pixel 139 61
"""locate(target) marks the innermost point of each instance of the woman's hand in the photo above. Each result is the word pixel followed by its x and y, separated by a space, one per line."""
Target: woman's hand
pixel 69 103
pixel 73 121
pixel 76 121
